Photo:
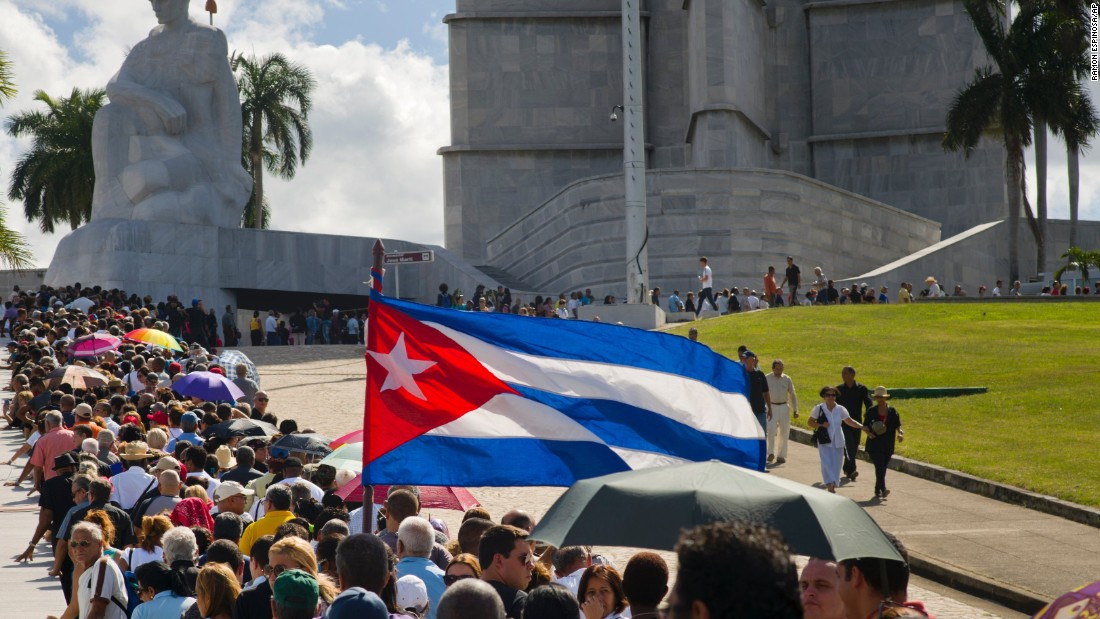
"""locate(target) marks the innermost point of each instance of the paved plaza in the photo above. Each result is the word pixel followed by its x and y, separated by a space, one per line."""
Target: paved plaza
pixel 322 387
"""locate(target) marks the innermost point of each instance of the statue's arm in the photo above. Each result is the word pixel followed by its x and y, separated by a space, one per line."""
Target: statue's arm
pixel 126 89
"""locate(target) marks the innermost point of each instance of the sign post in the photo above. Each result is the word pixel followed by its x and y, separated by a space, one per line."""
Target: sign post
pixel 406 257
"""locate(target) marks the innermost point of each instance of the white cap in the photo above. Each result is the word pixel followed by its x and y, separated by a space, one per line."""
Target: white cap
pixel 411 593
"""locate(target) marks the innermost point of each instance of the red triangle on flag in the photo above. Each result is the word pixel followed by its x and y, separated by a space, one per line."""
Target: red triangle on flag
pixel 417 379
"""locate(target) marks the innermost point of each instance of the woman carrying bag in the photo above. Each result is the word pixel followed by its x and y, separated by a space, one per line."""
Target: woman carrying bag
pixel 882 424
pixel 826 418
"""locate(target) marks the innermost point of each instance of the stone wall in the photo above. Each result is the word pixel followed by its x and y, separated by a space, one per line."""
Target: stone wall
pixel 742 220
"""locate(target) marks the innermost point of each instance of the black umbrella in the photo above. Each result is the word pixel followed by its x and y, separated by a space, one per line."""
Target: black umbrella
pixel 313 444
pixel 648 508
pixel 240 427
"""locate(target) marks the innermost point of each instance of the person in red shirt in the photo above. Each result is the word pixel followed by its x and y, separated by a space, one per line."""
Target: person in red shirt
pixel 83 415
pixel 56 441
pixel 771 289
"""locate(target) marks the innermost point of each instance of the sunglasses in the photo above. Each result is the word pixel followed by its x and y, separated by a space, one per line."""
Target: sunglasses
pixel 451 579
pixel 83 544
pixel 277 569
pixel 262 399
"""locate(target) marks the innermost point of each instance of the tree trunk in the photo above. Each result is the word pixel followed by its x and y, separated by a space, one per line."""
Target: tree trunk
pixel 1073 163
pixel 1040 141
pixel 256 149
pixel 1013 155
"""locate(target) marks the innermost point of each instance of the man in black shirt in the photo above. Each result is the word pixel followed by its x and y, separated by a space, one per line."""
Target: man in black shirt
pixel 56 501
pixel 506 565
pixel 99 495
pixel 759 399
pixel 792 279
pixel 856 398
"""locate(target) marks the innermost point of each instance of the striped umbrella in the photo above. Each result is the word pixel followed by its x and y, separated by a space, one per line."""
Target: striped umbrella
pixel 154 337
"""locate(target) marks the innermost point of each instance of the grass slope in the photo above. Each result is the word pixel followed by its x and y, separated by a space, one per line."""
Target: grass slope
pixel 1038 427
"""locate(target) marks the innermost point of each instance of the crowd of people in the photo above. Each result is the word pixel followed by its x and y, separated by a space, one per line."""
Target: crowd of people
pixel 149 514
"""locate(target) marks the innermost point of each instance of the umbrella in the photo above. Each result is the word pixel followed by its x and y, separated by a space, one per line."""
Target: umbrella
pixel 82 304
pixel 154 337
pixel 1081 603
pixel 349 456
pixel 647 508
pixel 77 376
pixel 431 497
pixel 240 427
pixel 94 345
pixel 312 444
pixel 208 386
pixel 229 359
pixel 350 437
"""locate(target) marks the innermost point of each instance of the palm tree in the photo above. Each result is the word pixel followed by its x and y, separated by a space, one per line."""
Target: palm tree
pixel 56 177
pixel 276 96
pixel 13 247
pixel 1027 75
pixel 1079 260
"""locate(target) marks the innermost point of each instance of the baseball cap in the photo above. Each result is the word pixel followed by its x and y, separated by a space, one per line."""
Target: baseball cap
pixel 357 603
pixel 83 410
pixel 190 418
pixel 748 353
pixel 296 589
pixel 229 489
pixel 412 593
pixel 160 418
pixel 167 463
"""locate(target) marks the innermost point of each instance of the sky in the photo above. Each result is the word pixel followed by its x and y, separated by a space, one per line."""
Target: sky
pixel 381 103
pixel 380 107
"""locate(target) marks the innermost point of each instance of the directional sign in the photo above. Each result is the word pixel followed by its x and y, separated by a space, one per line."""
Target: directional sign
pixel 406 257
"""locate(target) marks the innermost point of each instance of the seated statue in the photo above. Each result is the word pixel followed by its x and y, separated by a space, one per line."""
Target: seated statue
pixel 168 145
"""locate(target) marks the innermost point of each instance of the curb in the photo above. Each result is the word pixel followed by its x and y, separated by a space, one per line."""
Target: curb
pixel 983 487
pixel 1007 595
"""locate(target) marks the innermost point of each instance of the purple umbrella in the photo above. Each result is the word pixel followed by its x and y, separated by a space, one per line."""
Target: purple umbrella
pixel 94 345
pixel 208 386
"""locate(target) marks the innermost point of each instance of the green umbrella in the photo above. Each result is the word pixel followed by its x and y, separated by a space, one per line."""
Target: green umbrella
pixel 349 456
pixel 648 508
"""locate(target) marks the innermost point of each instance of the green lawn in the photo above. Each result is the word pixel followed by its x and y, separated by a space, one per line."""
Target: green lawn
pixel 1038 427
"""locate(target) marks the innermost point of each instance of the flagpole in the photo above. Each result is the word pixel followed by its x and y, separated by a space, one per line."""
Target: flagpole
pixel 378 252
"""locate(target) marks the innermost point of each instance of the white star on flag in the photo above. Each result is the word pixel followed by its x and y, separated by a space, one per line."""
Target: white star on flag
pixel 400 369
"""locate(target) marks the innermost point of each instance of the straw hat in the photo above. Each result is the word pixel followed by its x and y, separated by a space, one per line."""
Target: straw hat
pixel 135 450
pixel 880 392
pixel 930 280
pixel 225 457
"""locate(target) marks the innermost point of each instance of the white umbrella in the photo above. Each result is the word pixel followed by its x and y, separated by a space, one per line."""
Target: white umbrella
pixel 82 304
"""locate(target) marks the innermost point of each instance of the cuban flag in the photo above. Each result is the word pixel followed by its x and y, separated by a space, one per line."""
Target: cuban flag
pixel 484 399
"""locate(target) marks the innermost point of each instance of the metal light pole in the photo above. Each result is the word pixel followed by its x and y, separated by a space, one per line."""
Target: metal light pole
pixel 637 232
pixel 211 7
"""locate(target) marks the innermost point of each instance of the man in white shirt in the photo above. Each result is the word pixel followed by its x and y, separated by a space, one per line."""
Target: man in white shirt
pixel 570 563
pixel 997 288
pixel 784 405
pixel 292 474
pixel 271 328
pixel 131 484
pixel 706 281
pixel 753 300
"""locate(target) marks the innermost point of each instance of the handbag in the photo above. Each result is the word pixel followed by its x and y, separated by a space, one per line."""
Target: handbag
pixel 821 435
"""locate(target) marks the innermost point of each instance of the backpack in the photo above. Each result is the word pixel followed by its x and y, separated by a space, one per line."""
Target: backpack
pixel 129 583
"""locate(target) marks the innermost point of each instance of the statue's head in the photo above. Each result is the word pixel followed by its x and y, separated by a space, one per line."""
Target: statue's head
pixel 170 11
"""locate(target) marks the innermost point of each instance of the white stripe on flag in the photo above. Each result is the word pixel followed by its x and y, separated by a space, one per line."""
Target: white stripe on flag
pixel 685 400
pixel 511 416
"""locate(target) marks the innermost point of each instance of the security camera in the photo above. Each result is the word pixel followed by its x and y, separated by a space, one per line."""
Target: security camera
pixel 614 117
pixel 615 113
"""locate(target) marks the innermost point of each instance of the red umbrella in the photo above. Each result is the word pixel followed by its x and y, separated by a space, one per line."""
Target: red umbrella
pixel 350 437
pixel 94 345
pixel 431 497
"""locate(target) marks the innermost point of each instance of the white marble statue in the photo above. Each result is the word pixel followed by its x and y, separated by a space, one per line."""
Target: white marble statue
pixel 167 147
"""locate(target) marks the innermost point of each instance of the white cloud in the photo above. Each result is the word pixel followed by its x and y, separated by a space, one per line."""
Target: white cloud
pixel 379 114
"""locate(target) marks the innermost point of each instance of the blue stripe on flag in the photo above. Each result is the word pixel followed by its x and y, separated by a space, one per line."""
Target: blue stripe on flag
pixel 588 341
pixel 621 425
pixel 452 461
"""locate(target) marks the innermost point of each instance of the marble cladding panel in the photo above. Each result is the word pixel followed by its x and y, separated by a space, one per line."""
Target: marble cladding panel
pixel 536 81
pixel 724 139
pixel 888 66
pixel 464 6
pixel 507 185
pixel 736 222
pixel 914 174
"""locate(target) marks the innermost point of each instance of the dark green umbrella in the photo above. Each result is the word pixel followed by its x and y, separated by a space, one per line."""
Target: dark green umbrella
pixel 648 508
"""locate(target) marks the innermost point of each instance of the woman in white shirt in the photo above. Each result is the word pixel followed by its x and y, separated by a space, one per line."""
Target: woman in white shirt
pixel 829 415
pixel 601 593
pixel 148 549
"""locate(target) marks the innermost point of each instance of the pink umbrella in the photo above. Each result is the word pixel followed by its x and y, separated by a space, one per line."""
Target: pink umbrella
pixel 350 437
pixel 432 497
pixel 94 345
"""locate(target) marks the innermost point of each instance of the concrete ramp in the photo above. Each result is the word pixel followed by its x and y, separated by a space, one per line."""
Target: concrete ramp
pixel 968 258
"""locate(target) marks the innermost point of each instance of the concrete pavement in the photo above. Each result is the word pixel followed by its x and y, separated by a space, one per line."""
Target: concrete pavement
pixel 969 538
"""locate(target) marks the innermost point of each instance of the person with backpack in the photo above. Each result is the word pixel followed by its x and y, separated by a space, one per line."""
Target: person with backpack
pixel 100 589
